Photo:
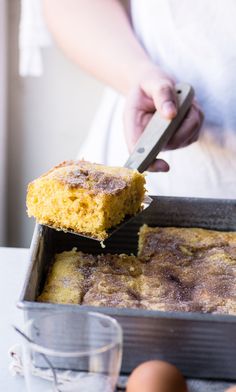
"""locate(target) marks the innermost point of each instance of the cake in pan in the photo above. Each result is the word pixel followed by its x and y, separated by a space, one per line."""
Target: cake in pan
pixel 177 269
pixel 68 277
pixel 196 267
pixel 85 197
pixel 103 280
pixel 115 282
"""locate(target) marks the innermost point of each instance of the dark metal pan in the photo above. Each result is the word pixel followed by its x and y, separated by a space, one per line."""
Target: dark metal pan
pixel 200 345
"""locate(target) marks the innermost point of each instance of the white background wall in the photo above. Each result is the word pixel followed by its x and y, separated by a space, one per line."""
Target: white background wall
pixel 48 118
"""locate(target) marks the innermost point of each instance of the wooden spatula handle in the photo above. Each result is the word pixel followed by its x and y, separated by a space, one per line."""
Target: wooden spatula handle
pixel 159 130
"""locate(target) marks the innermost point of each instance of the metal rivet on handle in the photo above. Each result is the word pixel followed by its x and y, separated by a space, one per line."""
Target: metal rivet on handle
pixel 141 150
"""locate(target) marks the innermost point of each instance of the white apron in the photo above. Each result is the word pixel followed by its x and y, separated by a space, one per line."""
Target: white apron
pixel 195 41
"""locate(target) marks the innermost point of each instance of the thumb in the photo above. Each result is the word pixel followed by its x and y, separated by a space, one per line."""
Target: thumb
pixel 165 99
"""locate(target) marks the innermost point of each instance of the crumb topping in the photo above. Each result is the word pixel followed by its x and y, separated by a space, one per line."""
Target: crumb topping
pixel 92 178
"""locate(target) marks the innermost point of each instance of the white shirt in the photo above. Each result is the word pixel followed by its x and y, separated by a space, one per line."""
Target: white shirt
pixel 195 41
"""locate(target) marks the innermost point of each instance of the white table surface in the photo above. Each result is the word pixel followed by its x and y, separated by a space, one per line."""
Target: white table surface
pixel 13 266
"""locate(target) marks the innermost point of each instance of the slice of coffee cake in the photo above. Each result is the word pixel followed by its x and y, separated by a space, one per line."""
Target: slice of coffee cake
pixel 85 197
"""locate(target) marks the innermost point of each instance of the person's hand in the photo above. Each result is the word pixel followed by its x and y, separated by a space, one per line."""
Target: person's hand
pixel 155 91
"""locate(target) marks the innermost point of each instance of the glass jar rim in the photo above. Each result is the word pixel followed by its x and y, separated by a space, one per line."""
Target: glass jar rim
pixel 71 354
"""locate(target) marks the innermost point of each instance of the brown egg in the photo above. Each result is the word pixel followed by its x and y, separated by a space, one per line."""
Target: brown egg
pixel 231 389
pixel 156 376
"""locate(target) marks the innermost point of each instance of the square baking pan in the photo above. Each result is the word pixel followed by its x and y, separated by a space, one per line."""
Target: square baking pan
pixel 200 345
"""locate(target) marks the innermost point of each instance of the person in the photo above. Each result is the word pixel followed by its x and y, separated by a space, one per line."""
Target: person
pixel 141 57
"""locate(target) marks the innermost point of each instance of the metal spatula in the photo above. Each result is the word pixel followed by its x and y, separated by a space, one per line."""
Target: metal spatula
pixel 158 131
pixel 155 136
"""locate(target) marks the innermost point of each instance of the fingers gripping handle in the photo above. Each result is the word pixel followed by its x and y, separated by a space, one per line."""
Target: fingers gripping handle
pixel 159 130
